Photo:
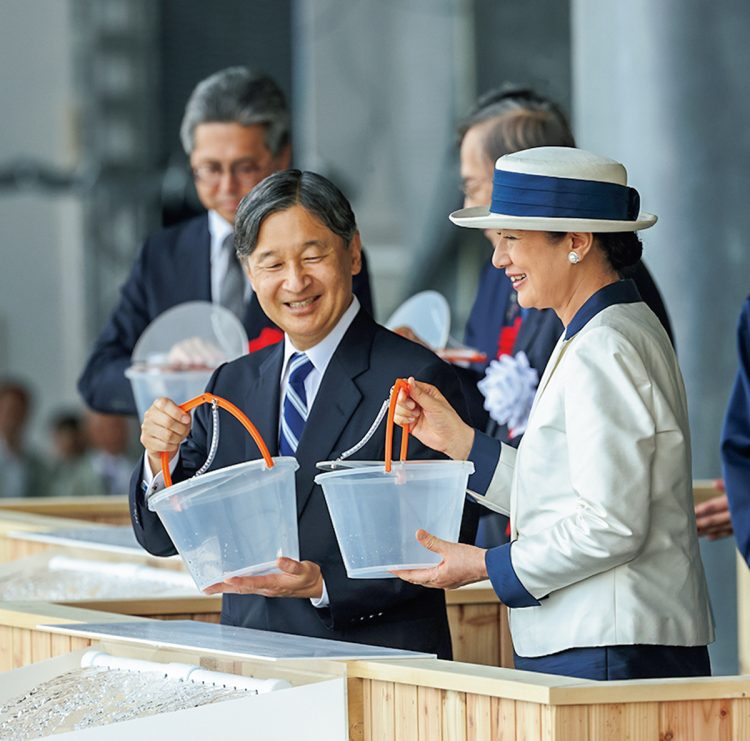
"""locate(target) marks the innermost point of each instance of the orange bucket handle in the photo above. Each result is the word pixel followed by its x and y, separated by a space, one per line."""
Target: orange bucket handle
pixel 401 383
pixel 235 412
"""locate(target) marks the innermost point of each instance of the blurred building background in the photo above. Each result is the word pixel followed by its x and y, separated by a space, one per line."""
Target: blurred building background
pixel 92 94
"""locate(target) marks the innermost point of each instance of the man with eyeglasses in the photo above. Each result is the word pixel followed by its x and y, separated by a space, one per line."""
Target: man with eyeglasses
pixel 236 132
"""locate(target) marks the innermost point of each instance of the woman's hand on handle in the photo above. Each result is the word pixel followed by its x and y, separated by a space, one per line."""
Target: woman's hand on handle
pixel 164 428
pixel 433 421
pixel 462 564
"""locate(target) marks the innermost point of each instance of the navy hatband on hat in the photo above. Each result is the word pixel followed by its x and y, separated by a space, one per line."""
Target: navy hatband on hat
pixel 521 194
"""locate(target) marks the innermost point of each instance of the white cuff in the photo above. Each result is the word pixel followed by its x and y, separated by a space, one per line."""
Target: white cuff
pixel 321 601
pixel 152 483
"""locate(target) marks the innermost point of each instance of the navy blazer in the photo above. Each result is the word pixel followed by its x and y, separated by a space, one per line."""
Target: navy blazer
pixel 735 440
pixel 369 359
pixel 539 333
pixel 173 266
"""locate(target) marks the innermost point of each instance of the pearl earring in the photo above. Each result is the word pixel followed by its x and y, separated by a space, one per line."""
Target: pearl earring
pixel 573 258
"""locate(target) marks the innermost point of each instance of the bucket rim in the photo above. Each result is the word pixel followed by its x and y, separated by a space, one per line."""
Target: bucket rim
pixel 282 462
pixel 342 468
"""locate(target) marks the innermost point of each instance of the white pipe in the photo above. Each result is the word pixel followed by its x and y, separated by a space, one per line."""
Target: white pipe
pixel 183 672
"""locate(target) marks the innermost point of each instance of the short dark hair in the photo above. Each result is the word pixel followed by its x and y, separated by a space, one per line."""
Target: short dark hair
pixel 281 191
pixel 521 119
pixel 237 95
pixel 622 249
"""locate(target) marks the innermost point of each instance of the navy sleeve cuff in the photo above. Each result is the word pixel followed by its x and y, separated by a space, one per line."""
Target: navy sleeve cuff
pixel 504 580
pixel 484 454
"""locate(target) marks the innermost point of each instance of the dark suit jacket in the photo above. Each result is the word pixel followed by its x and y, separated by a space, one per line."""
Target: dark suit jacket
pixel 172 267
pixel 735 440
pixel 537 337
pixel 369 359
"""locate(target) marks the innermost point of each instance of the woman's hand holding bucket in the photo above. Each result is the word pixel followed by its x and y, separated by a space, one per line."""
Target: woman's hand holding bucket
pixel 433 421
pixel 301 579
pixel 164 428
pixel 462 564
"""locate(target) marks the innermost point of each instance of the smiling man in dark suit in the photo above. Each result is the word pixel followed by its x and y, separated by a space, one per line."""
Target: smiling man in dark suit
pixel 236 132
pixel 313 396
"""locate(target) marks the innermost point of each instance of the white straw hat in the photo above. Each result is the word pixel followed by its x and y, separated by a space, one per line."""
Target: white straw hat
pixel 559 189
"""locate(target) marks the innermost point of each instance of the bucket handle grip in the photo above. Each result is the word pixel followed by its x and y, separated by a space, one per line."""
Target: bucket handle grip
pixel 401 383
pixel 235 412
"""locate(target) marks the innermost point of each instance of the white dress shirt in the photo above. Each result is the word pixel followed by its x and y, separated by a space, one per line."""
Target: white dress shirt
pixel 219 229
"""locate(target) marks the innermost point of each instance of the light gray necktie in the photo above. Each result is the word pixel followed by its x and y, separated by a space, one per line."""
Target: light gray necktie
pixel 232 293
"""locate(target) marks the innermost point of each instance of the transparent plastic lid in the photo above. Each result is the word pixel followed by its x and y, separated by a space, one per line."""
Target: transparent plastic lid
pixel 190 336
pixel 428 315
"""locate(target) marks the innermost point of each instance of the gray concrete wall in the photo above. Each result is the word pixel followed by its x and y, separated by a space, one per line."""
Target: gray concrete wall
pixel 663 87
pixel 41 275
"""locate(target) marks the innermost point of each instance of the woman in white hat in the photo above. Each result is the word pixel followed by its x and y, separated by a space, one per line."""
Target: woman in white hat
pixel 603 575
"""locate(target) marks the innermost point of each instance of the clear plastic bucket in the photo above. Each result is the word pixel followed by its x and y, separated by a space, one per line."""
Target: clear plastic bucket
pixel 376 513
pixel 235 521
pixel 178 351
pixel 232 522
pixel 149 384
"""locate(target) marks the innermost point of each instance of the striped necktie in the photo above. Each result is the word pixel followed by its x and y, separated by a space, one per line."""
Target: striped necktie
pixel 294 412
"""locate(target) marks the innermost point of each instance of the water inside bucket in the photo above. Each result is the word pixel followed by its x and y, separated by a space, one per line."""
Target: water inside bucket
pixel 376 514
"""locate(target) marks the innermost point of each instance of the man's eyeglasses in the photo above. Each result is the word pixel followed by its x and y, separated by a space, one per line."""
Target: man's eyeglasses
pixel 211 173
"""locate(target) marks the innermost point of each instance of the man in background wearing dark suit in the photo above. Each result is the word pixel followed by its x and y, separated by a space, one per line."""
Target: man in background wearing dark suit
pixel 236 132
pixel 313 396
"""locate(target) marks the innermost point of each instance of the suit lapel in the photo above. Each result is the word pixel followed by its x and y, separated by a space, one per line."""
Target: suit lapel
pixel 335 403
pixel 194 255
pixel 262 403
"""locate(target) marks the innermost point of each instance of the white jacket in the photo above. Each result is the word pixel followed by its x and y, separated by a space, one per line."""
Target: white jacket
pixel 600 495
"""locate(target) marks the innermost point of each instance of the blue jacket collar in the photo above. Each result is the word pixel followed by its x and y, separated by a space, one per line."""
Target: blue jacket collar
pixel 621 292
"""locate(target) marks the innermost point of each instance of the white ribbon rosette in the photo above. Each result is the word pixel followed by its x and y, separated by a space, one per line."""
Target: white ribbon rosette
pixel 509 386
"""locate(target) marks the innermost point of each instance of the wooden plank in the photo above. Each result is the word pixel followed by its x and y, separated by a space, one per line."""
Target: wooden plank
pixel 624 720
pixel 711 719
pixel 740 712
pixel 367 709
pixel 60 645
pixel 475 633
pixel 406 712
pixel 567 723
pixel 504 719
pixel 355 708
pixel 743 614
pixel 528 721
pixel 20 647
pixel 108 509
pixel 429 713
pixel 383 711
pixel 478 717
pixel 454 715
pixel 506 642
pixel 708 719
pixel 41 646
pixel 6 648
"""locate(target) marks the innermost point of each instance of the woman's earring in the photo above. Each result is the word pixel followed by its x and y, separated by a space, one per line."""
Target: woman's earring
pixel 573 258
